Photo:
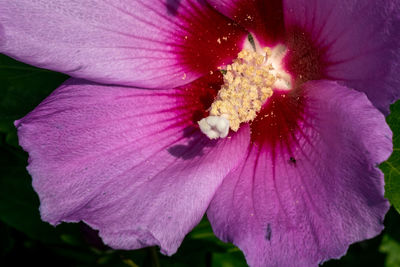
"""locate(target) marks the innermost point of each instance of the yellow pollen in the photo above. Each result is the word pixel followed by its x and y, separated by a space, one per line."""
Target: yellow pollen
pixel 248 83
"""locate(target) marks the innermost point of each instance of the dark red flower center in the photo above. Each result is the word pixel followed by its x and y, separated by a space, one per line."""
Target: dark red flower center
pixel 282 115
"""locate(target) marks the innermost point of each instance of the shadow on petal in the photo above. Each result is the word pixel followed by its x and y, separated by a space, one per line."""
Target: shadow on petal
pixel 195 146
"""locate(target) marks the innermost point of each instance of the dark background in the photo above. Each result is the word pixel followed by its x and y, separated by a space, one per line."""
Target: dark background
pixel 26 241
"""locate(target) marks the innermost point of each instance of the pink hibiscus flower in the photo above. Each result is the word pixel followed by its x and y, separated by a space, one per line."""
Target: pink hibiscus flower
pixel 280 148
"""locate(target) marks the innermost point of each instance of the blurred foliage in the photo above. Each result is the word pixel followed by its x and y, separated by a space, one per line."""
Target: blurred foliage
pixel 27 241
pixel 392 248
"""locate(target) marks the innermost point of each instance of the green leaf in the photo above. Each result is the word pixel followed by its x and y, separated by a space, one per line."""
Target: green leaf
pixel 233 259
pixel 391 167
pixel 392 248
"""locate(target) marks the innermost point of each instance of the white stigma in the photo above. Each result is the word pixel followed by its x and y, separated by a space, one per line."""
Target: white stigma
pixel 214 126
pixel 248 83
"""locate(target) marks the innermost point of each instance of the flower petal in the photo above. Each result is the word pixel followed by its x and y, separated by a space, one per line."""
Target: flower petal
pixel 264 18
pixel 358 40
pixel 127 162
pixel 303 204
pixel 149 44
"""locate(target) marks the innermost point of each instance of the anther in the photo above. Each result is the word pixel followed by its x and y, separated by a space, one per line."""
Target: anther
pixel 248 83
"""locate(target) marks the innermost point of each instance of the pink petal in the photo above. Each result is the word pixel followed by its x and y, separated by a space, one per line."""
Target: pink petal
pixel 149 44
pixel 130 163
pixel 301 202
pixel 356 40
pixel 264 18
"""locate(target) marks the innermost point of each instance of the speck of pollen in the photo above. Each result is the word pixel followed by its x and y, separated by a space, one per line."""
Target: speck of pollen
pixel 248 84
